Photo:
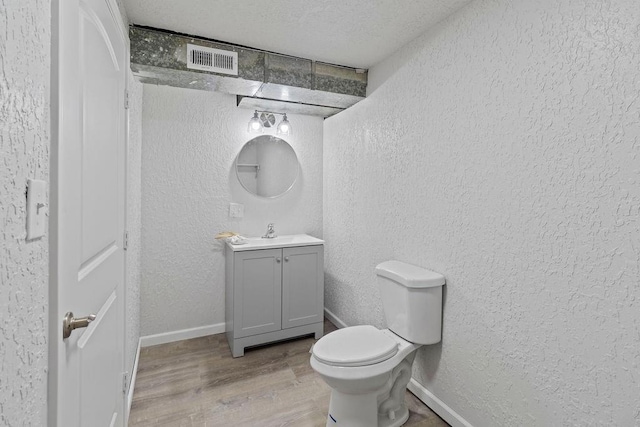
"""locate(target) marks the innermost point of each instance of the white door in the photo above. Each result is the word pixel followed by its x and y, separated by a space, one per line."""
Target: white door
pixel 87 223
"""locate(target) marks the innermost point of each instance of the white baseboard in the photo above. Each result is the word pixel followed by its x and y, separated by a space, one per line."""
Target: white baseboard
pixel 437 405
pixel 428 398
pixel 132 383
pixel 184 334
pixel 334 319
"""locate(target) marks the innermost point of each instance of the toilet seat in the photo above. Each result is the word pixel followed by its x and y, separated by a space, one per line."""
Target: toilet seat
pixel 355 346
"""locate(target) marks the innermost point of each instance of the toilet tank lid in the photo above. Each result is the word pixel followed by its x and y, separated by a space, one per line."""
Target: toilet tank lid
pixel 409 275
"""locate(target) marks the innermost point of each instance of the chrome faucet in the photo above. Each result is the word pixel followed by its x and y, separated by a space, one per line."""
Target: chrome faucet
pixel 271 233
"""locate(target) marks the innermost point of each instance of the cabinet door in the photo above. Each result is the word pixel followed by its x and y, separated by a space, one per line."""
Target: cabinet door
pixel 302 286
pixel 257 292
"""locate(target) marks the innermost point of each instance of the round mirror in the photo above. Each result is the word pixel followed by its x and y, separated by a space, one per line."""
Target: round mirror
pixel 267 166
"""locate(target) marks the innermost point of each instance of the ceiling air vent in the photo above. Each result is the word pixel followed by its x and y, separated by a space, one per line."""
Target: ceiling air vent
pixel 209 59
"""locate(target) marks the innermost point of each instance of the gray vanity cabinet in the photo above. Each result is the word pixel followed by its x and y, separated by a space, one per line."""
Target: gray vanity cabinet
pixel 273 294
pixel 302 286
pixel 257 288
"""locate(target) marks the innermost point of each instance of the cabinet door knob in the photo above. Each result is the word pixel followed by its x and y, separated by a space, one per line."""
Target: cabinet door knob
pixel 277 259
pixel 286 259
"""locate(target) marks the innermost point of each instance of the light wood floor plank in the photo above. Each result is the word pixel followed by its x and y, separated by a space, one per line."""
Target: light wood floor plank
pixel 196 383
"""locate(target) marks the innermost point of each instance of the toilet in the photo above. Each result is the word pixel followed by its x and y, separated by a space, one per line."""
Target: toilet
pixel 367 368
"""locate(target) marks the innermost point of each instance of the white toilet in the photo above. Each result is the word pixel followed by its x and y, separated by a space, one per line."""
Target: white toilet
pixel 368 369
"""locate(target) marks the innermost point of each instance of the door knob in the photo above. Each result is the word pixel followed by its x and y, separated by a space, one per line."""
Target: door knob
pixel 277 259
pixel 69 323
pixel 286 259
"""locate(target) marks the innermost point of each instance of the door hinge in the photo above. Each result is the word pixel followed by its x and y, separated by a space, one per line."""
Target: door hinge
pixel 126 99
pixel 125 240
pixel 125 382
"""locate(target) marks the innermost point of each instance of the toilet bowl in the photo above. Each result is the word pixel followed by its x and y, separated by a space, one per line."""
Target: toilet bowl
pixel 367 368
pixel 366 391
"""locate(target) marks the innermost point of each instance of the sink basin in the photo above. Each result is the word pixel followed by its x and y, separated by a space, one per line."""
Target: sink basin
pixel 275 239
pixel 277 242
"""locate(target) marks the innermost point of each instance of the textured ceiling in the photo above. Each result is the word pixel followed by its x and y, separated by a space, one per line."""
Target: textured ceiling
pixel 356 33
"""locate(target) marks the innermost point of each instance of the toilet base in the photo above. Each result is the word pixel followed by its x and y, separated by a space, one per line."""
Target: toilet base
pixel 383 407
pixel 349 410
pixel 352 410
pixel 401 418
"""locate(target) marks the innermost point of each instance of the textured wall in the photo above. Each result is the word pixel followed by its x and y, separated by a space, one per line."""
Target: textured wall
pixel 190 140
pixel 502 149
pixel 24 153
pixel 134 221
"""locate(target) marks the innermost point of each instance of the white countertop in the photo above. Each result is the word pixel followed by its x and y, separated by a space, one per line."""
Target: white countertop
pixel 289 241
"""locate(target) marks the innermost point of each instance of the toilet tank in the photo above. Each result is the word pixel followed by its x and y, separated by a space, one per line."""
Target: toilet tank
pixel 412 299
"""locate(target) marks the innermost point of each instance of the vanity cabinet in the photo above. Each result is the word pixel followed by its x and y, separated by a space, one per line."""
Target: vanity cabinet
pixel 273 293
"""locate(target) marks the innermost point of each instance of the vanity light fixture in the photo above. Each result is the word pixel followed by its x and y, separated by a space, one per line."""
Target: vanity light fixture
pixel 255 125
pixel 266 119
pixel 284 127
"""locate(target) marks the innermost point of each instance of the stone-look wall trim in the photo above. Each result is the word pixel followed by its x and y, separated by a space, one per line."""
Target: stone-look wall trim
pixel 160 57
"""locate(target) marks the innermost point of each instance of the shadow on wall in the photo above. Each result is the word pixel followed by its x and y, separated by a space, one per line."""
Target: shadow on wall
pixel 350 297
pixel 386 69
pixel 433 352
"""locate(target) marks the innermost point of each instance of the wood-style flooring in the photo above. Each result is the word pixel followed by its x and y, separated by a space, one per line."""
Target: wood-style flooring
pixel 196 382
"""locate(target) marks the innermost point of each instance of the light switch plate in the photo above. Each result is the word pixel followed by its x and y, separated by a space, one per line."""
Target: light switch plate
pixel 236 210
pixel 36 208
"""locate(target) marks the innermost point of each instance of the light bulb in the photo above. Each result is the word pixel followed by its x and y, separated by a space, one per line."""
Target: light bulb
pixel 255 125
pixel 284 127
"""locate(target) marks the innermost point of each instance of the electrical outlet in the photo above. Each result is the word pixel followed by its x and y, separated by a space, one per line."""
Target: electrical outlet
pixel 236 210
